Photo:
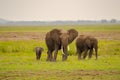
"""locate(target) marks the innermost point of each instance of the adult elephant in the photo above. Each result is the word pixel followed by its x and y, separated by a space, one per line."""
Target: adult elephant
pixel 58 39
pixel 85 43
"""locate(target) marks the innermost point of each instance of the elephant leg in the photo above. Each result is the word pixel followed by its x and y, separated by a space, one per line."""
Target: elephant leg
pixel 64 57
pixel 55 55
pixel 85 54
pixel 56 52
pixel 49 57
pixel 78 52
pixel 38 56
pixel 79 55
pixel 90 53
pixel 96 53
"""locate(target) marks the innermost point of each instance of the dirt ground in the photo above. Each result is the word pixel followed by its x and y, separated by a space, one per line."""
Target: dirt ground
pixel 41 35
pixel 22 35
pixel 60 75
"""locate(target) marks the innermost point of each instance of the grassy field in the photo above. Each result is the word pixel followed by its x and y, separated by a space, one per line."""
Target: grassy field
pixel 82 28
pixel 17 56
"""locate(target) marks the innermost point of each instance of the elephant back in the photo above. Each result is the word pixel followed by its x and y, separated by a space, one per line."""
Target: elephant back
pixel 55 35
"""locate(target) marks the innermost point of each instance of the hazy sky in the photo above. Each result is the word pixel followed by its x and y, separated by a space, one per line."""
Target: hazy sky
pixel 59 9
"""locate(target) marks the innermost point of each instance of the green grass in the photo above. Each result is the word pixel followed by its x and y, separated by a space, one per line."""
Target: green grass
pixel 27 61
pixel 27 46
pixel 24 66
pixel 18 62
pixel 113 27
pixel 20 46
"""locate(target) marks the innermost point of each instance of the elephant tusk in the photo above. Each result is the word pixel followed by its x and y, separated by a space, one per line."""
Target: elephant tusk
pixel 62 51
pixel 68 47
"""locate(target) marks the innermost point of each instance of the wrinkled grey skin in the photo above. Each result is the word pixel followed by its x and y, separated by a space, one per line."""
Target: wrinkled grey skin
pixel 85 44
pixel 38 51
pixel 57 39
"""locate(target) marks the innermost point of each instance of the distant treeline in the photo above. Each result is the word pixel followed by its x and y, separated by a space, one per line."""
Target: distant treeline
pixel 78 22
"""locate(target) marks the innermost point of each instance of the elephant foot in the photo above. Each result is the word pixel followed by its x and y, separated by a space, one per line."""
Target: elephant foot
pixel 83 58
pixel 64 58
pixel 50 60
pixel 54 60
pixel 79 58
pixel 89 58
pixel 96 59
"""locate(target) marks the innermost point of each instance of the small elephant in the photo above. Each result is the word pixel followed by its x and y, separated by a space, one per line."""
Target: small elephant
pixel 38 51
pixel 58 39
pixel 85 43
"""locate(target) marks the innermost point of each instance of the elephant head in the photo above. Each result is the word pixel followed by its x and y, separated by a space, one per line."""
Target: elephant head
pixel 58 39
pixel 66 38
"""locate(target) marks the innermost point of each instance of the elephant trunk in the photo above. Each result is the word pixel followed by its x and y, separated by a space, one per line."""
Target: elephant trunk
pixel 64 51
pixel 64 46
pixel 64 42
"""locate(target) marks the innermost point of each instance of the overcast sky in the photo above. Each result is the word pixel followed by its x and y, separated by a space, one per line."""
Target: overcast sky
pixel 45 10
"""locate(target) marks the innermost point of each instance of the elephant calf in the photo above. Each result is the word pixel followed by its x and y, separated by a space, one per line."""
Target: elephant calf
pixel 85 44
pixel 38 51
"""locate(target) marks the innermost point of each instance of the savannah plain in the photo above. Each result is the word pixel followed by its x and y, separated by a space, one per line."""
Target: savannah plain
pixel 18 62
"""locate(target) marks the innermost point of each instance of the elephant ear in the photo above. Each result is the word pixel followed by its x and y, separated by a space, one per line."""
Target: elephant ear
pixel 55 35
pixel 72 35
